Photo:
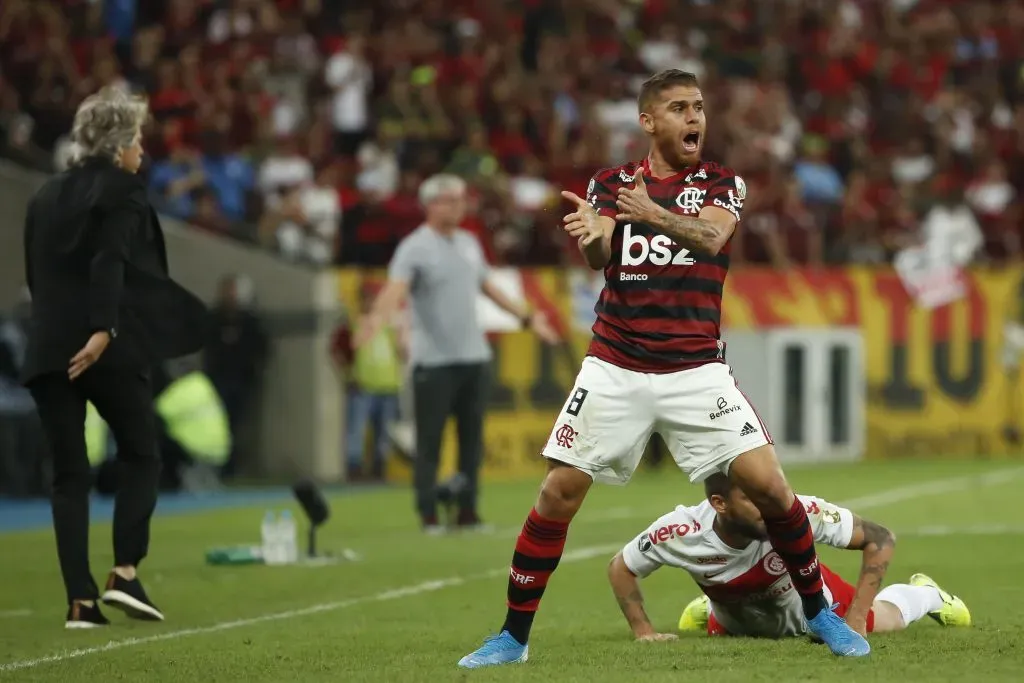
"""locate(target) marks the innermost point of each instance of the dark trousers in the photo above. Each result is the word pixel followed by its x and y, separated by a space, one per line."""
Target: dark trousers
pixel 440 391
pixel 124 399
pixel 236 395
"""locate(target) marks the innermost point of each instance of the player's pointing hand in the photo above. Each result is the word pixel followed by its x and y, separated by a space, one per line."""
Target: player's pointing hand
pixel 634 204
pixel 583 223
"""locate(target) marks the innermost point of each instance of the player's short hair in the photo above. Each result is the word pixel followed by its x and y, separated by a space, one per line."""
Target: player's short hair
pixel 717 484
pixel 660 82
pixel 437 185
pixel 105 123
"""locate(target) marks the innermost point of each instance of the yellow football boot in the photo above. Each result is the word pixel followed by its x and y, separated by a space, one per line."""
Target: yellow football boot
pixel 695 616
pixel 953 611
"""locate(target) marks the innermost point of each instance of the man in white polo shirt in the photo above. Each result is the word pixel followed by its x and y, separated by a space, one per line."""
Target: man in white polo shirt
pixel 441 269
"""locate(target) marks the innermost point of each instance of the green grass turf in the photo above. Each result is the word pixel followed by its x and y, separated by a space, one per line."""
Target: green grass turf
pixel 346 622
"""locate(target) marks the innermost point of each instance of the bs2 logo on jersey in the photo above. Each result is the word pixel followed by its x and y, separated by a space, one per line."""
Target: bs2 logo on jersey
pixel 637 250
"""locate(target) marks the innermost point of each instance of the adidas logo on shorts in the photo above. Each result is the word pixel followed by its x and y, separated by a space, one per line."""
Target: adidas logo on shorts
pixel 748 429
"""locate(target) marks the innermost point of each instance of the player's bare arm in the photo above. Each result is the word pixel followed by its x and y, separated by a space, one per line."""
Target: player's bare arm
pixel 706 233
pixel 631 601
pixel 877 545
pixel 593 232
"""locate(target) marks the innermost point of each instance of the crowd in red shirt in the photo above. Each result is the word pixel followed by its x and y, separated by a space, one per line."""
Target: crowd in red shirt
pixel 847 118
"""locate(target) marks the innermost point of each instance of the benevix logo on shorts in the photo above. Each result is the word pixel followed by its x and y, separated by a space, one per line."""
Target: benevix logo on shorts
pixel 637 250
pixel 723 409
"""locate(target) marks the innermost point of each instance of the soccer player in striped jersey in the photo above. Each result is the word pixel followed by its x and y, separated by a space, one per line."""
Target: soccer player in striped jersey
pixel 660 229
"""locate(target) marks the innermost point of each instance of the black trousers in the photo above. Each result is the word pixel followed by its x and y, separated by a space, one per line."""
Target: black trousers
pixel 124 399
pixel 439 392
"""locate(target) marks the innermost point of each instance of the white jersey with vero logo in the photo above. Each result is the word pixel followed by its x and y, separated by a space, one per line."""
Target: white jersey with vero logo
pixel 751 592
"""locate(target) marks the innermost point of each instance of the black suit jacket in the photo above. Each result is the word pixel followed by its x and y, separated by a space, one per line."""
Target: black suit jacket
pixel 95 260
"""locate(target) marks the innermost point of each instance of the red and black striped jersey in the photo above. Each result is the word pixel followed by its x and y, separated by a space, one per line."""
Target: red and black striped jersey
pixel 661 306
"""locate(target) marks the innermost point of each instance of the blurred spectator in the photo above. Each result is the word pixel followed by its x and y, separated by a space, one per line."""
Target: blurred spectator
pixel 379 171
pixel 474 159
pixel 819 181
pixel 176 180
pixel 208 214
pixel 892 94
pixel 348 74
pixel 284 169
pixel 21 437
pixel 373 375
pixel 235 356
pixel 306 224
pixel 991 197
pixel 230 176
pixel 913 164
pixel 530 191
pixel 949 229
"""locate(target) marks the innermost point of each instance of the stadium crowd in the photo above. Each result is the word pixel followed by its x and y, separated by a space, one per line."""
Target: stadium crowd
pixel 306 125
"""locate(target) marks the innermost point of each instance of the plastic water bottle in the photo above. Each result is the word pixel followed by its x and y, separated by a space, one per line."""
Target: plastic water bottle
pixel 289 538
pixel 268 538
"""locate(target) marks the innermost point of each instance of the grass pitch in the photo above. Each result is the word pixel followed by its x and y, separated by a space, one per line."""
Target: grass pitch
pixel 414 605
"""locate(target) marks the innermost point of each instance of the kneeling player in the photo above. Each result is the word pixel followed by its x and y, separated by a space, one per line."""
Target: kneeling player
pixel 723 545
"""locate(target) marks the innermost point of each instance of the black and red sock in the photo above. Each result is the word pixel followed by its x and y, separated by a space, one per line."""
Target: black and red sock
pixel 793 540
pixel 538 550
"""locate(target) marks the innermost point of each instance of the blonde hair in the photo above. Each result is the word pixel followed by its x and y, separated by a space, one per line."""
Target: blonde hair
pixel 106 122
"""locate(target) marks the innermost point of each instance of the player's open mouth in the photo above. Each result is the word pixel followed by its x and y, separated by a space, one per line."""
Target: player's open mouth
pixel 691 143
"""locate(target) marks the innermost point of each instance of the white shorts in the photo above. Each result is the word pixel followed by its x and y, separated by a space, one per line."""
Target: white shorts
pixel 604 426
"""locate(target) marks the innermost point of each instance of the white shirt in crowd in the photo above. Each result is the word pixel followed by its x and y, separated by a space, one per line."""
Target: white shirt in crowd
pixel 912 169
pixel 991 196
pixel 277 172
pixel 750 590
pixel 951 234
pixel 313 241
pixel 378 171
pixel 226 24
pixel 351 79
pixel 619 118
pixel 530 193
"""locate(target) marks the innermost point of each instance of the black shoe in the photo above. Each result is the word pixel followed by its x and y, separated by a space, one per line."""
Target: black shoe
pixel 82 616
pixel 130 598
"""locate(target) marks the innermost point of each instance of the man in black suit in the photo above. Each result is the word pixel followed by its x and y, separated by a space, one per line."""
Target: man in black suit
pixel 104 312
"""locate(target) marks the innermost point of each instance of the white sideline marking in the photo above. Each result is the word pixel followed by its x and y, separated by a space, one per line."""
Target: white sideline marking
pixel 896 495
pixel 970 530
pixel 931 488
pixel 394 594
pixel 7 614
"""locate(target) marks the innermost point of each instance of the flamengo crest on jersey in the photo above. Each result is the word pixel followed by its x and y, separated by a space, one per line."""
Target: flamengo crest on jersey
pixel 661 307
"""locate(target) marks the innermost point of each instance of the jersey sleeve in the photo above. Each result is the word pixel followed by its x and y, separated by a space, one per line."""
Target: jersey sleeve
pixel 728 192
pixel 659 544
pixel 601 194
pixel 831 524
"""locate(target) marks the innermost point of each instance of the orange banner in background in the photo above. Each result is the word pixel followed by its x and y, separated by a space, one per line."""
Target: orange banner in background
pixel 936 379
